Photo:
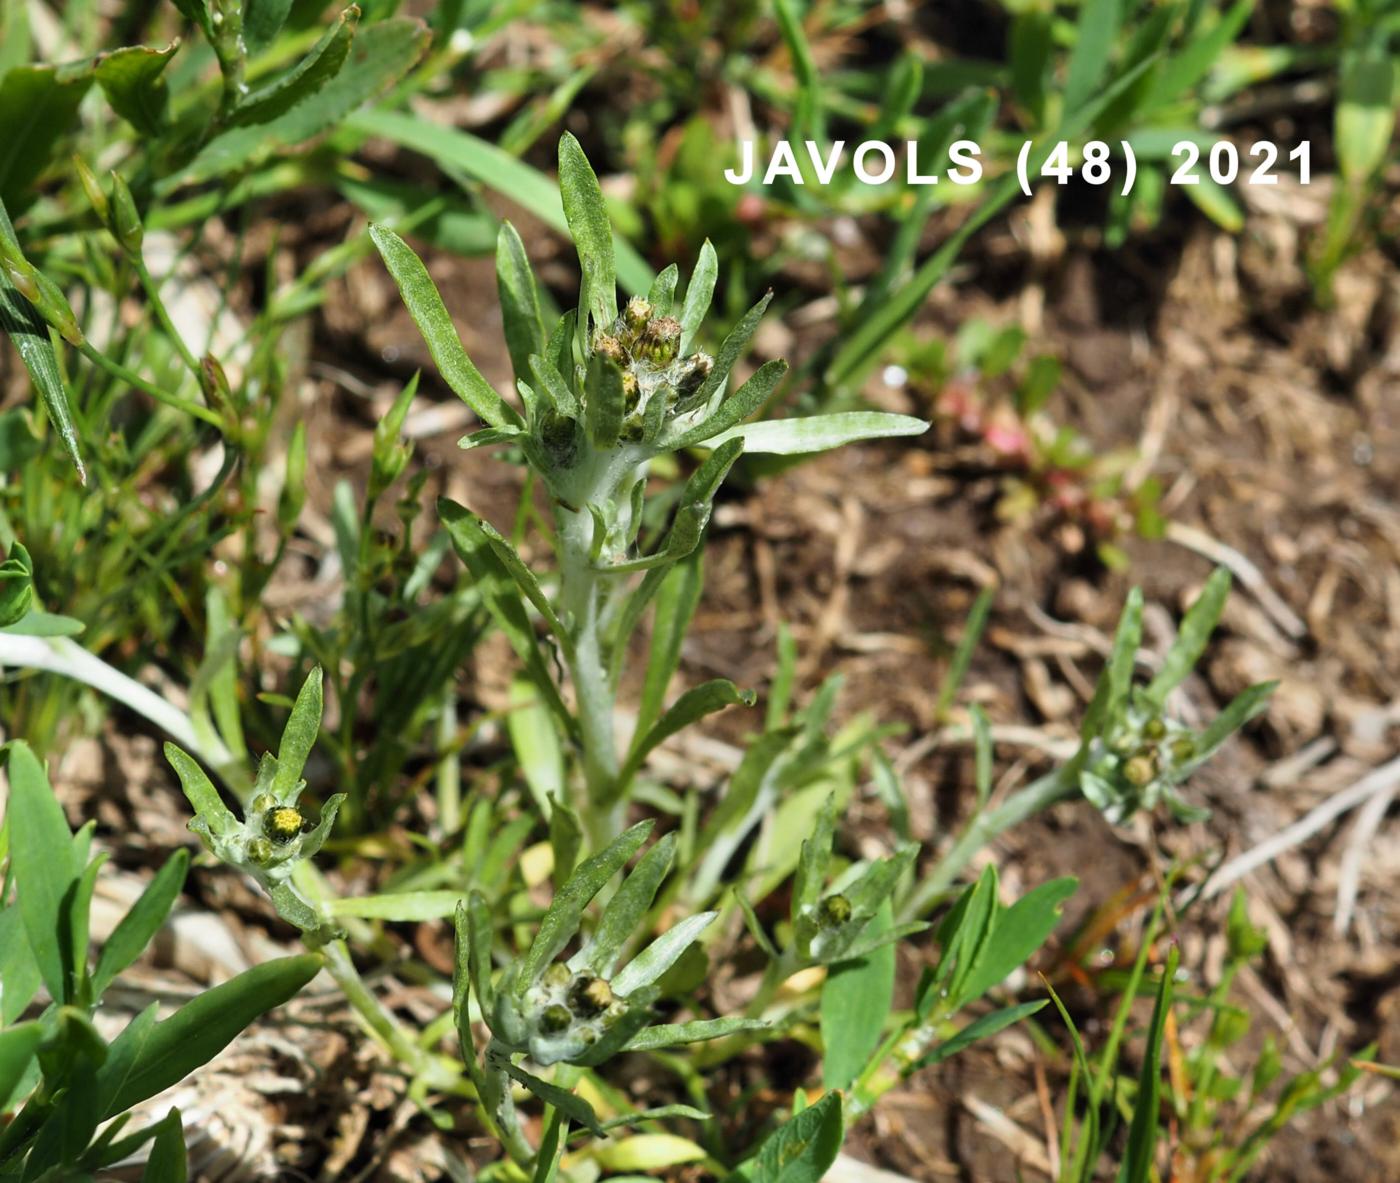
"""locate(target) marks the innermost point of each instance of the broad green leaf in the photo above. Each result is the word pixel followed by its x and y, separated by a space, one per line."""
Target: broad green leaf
pixel 625 911
pixel 698 294
pixel 263 20
pixel 298 736
pixel 309 75
pixel 647 1152
pixel 522 320
pixel 665 1035
pixel 565 911
pixel 737 407
pixel 139 926
pixel 1017 933
pixel 855 1004
pixel 694 704
pixel 38 107
pixel 167 1163
pixel 587 217
pixel 817 433
pixel 45 867
pixel 801 1150
pixel 148 1058
pixel 661 954
pixel 459 151
pixel 1196 628
pixel 132 79
pixel 15 40
pixel 19 972
pixel 381 53
pixel 425 305
pixel 401 906
pixel 28 330
pixel 982 1028
pixel 17 1047
pixel 1365 119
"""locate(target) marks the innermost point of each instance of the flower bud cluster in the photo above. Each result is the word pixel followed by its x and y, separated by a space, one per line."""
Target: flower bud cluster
pixel 1142 758
pixel 559 1016
pixel 646 348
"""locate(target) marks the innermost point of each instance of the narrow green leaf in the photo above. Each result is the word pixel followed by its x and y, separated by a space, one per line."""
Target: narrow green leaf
pixel 425 305
pixel 664 1035
pixel 402 906
pixel 1365 119
pixel 535 741
pixel 817 433
pixel 737 407
pixel 661 954
pixel 676 602
pixel 208 806
pixel 698 294
pixel 592 232
pixel 662 295
pixel 522 320
pixel 1140 1151
pixel 561 920
pixel 148 1058
pixel 45 867
pixel 139 926
pixel 694 704
pixel 981 1028
pixel 549 382
pixel 603 402
pixel 298 736
pixel 478 930
pixel 1117 676
pixel 625 911
pixel 571 1105
pixel 731 349
pixel 30 333
pixel 17 1047
pixel 962 656
pixel 133 80
pixel 565 838
pixel 1095 36
pixel 1196 628
pixel 459 151
pixel 855 1004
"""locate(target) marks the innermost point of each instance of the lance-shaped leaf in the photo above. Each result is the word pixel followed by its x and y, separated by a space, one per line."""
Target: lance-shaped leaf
pixel 625 911
pixel 982 1028
pixel 571 1105
pixel 309 75
pixel 1016 934
pixel 1248 704
pixel 603 401
pixel 311 843
pixel 737 407
pixel 521 318
pixel 675 608
pixel 694 704
pixel 425 305
pixel 1196 628
pixel 587 217
pixel 211 813
pixel 855 1005
pixel 30 333
pixel 298 736
pixel 469 523
pixel 17 1047
pixel 133 80
pixel 40 106
pixel 46 868
pixel 661 954
pixel 167 1162
pixel 731 349
pixel 698 294
pixel 662 295
pixel 263 20
pixel 136 929
pixel 550 383
pixel 818 433
pixel 501 594
pixel 664 1035
pixel 813 861
pixel 565 912
pixel 398 906
pixel 149 1057
pixel 1112 689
